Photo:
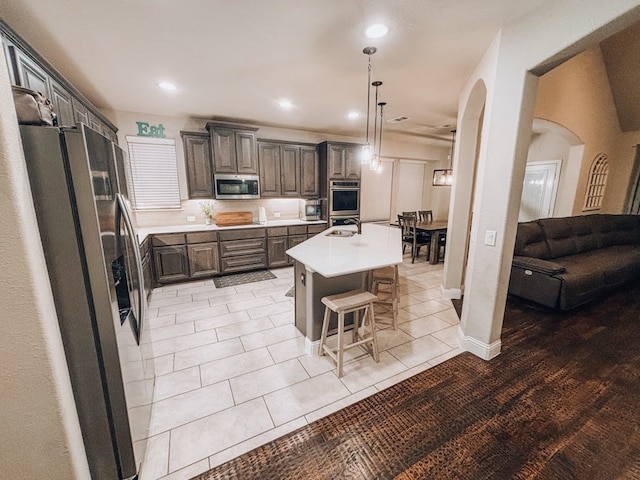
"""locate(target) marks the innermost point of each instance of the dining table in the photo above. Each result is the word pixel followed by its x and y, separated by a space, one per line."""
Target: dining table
pixel 433 228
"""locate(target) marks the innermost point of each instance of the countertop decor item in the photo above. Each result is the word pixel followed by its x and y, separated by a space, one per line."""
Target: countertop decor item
pixel 234 218
pixel 207 208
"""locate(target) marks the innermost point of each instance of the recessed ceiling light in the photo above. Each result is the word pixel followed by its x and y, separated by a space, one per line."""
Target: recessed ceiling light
pixel 284 103
pixel 166 86
pixel 353 115
pixel 376 31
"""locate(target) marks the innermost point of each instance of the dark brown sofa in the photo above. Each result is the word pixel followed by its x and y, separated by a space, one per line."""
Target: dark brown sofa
pixel 566 262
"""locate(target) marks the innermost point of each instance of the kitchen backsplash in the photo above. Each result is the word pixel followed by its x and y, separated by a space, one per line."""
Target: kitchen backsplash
pixel 287 208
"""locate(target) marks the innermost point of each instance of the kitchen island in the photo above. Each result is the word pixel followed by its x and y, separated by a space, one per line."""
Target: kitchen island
pixel 335 261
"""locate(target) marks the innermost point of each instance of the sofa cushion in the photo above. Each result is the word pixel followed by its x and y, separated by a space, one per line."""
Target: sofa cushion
pixel 558 233
pixel 530 241
pixel 618 229
pixel 570 235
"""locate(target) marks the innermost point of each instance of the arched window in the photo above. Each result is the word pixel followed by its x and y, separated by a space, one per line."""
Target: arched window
pixel 597 183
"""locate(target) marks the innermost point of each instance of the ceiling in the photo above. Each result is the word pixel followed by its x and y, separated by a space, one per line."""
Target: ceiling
pixel 237 58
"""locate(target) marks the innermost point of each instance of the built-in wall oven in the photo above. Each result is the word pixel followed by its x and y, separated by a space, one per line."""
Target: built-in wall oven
pixel 344 198
pixel 342 220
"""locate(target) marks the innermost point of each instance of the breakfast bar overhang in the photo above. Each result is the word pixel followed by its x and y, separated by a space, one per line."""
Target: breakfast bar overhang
pixel 334 261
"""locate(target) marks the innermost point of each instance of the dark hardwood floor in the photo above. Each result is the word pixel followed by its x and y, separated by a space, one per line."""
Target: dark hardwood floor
pixel 562 401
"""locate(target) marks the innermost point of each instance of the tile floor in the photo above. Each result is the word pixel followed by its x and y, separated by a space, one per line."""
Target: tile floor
pixel 232 372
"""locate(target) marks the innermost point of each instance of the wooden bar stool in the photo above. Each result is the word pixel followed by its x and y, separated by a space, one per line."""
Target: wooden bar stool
pixel 342 303
pixel 387 276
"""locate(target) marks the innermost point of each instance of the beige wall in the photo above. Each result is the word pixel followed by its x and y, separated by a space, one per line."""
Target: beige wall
pixel 577 95
pixel 40 432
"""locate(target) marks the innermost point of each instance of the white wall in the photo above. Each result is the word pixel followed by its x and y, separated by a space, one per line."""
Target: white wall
pixel 40 430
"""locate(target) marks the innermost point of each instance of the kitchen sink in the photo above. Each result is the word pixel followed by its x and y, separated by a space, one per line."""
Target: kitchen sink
pixel 341 233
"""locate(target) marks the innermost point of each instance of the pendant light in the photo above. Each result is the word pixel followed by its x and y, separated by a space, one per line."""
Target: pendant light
pixel 367 148
pixel 373 165
pixel 444 177
pixel 376 161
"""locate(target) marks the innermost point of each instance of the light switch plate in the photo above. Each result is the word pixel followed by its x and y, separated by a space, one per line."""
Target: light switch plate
pixel 276 214
pixel 490 238
pixel 191 218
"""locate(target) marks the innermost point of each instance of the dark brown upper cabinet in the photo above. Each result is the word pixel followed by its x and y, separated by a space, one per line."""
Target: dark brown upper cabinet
pixel 287 169
pixel 269 162
pixel 309 171
pixel 62 104
pixel 234 149
pixel 197 159
pixel 27 68
pixel 342 160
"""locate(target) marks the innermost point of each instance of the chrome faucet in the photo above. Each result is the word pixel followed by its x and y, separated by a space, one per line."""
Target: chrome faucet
pixel 355 221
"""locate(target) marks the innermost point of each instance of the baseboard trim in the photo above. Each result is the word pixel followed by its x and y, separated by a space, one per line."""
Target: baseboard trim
pixel 311 347
pixel 486 351
pixel 451 293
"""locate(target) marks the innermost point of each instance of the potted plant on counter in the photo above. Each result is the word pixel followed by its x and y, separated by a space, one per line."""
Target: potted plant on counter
pixel 207 208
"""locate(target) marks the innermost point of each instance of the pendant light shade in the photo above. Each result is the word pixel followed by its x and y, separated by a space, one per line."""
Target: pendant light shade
pixel 444 177
pixel 376 161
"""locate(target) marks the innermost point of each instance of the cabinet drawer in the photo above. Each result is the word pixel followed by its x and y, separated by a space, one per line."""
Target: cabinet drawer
pixel 277 232
pixel 242 234
pixel 314 229
pixel 250 246
pixel 202 237
pixel 168 239
pixel 245 262
pixel 298 230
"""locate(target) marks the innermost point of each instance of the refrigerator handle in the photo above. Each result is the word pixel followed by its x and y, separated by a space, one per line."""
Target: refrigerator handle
pixel 131 233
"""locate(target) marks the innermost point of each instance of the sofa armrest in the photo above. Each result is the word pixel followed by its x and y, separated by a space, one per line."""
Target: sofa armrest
pixel 537 265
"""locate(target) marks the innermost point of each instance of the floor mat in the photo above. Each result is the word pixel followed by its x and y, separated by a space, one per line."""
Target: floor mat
pixel 241 278
pixel 291 292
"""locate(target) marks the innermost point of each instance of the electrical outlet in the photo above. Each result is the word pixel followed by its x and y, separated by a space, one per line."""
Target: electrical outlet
pixel 191 218
pixel 276 214
pixel 490 238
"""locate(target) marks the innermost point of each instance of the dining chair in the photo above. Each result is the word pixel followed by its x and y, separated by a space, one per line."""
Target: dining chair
pixel 425 215
pixel 442 246
pixel 414 213
pixel 410 236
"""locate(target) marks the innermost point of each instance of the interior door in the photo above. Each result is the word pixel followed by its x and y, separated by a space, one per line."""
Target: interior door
pixel 539 190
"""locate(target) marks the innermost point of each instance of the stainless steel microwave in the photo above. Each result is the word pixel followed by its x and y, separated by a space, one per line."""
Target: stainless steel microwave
pixel 310 209
pixel 236 187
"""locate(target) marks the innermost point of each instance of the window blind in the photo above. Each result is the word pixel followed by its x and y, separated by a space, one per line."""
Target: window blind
pixel 154 172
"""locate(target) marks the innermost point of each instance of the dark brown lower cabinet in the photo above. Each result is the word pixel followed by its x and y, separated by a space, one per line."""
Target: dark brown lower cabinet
pixel 243 249
pixel 183 256
pixel 293 241
pixel 203 259
pixel 171 263
pixel 277 246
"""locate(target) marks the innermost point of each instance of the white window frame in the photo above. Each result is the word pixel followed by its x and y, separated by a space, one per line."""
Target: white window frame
pixel 153 165
pixel 598 174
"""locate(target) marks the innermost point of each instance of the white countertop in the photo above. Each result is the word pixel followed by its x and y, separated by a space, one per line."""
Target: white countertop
pixel 378 246
pixel 144 232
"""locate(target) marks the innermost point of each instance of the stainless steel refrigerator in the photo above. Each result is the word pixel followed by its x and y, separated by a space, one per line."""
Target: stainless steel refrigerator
pixel 78 184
